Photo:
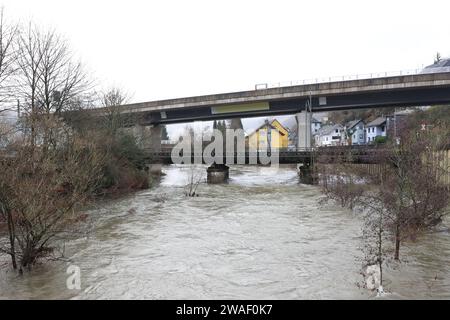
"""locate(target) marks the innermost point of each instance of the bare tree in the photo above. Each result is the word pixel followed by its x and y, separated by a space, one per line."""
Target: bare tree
pixel 413 194
pixel 48 81
pixel 8 67
pixel 28 61
pixel 114 115
pixel 57 167
pixel 114 97
pixel 63 81
pixel 403 199
pixel 50 78
pixel 40 192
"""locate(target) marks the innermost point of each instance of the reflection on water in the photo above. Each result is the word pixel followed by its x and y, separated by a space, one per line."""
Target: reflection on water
pixel 261 236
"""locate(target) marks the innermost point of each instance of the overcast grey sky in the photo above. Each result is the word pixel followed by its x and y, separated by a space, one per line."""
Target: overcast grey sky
pixel 167 48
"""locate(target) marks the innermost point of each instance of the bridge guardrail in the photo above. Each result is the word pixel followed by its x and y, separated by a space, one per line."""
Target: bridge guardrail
pixel 364 76
pixel 165 148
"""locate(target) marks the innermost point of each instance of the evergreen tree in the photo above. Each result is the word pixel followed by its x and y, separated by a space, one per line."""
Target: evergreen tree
pixel 437 58
pixel 164 134
pixel 221 126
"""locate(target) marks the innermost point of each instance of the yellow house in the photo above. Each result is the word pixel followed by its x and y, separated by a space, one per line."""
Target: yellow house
pixel 270 132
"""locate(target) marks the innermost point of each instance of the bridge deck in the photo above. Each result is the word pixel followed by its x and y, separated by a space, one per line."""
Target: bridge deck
pixel 407 90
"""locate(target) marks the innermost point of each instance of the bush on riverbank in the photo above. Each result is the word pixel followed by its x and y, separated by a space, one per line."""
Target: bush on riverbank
pixel 43 187
pixel 406 199
pixel 125 167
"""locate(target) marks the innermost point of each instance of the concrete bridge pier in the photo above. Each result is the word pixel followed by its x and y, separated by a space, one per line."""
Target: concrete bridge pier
pixel 217 173
pixel 153 142
pixel 303 129
pixel 306 173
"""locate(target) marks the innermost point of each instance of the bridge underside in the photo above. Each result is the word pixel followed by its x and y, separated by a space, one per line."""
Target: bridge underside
pixel 357 100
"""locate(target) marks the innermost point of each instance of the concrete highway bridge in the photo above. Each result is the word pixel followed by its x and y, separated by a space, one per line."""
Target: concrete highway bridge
pixel 419 89
pixel 406 90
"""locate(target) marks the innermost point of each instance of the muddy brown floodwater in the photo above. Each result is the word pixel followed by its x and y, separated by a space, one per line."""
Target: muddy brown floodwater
pixel 261 236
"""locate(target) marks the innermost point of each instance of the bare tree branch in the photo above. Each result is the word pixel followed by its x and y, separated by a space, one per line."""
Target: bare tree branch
pixel 8 68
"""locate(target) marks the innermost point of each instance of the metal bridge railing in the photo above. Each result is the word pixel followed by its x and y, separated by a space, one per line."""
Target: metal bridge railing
pixel 374 75
pixel 168 149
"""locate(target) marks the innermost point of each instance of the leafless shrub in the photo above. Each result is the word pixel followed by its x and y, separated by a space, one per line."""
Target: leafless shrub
pixel 41 189
pixel 338 177
pixel 413 194
pixel 195 177
pixel 113 117
pixel 409 197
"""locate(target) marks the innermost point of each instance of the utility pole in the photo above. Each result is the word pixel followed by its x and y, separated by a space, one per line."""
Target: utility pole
pixel 308 112
pixel 268 136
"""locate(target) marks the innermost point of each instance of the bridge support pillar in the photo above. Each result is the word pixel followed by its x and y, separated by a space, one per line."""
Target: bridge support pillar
pixel 303 129
pixel 217 173
pixel 306 173
pixel 154 144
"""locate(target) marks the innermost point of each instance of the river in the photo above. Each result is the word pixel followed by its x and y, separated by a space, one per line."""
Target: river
pixel 261 236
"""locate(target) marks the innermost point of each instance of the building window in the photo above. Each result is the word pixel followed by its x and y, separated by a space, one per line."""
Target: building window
pixel 382 128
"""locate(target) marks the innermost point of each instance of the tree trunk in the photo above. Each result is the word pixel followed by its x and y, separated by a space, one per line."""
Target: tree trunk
pixel 397 243
pixel 12 237
pixel 380 248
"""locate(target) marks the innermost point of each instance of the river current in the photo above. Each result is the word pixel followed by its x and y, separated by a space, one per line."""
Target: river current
pixel 263 235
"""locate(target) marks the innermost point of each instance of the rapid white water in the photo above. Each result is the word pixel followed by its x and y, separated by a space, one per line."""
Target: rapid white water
pixel 261 236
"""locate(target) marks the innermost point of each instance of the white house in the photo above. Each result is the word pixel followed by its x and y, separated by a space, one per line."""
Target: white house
pixel 442 65
pixel 376 128
pixel 330 135
pixel 355 133
pixel 315 126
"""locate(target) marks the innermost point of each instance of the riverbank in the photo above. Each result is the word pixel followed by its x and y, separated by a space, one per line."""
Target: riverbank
pixel 131 182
